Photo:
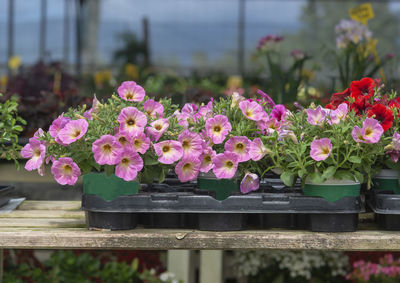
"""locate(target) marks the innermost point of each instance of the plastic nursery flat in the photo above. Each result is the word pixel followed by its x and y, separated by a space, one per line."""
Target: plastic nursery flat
pixel 386 206
pixel 5 192
pixel 164 206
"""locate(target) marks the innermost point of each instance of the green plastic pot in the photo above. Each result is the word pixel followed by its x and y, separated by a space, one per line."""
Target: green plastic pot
pixel 387 180
pixel 332 190
pixel 222 187
pixel 108 187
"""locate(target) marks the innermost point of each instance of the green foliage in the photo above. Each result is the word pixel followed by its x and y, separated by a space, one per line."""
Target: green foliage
pixel 66 266
pixel 10 128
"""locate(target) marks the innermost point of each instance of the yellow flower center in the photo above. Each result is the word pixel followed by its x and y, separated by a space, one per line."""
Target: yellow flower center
pixel 240 146
pixel 125 161
pixel 229 164
pixel 122 140
pixel 37 152
pixel 368 131
pixel 138 142
pixel 67 169
pixel 187 167
pixel 107 148
pixel 249 113
pixel 325 150
pixel 129 95
pixel 166 148
pixel 185 144
pixel 217 129
pixel 158 127
pixel 130 122
pixel 207 158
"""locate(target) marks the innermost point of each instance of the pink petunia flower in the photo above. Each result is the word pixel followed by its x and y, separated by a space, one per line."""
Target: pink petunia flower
pixel 107 150
pixel 192 143
pixel 125 139
pixel 257 149
pixel 131 91
pixel 157 129
pixel 65 171
pixel 189 108
pixel 239 145
pixel 168 151
pixel 73 131
pixel 141 143
pixel 132 120
pixel 225 165
pixel 206 160
pixel 320 149
pixel 279 112
pixel 250 182
pixel 57 125
pixel 269 125
pixel 218 128
pixel 36 151
pixel 188 168
pixel 129 164
pixel 339 114
pixel 371 131
pixel 316 116
pixel 268 100
pixel 184 119
pixel 252 110
pixel 153 108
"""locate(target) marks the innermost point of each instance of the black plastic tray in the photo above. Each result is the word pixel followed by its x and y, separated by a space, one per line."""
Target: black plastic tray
pixel 386 206
pixel 5 194
pixel 190 208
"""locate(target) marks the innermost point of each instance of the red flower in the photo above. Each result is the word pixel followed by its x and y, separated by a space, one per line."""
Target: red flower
pixel 395 102
pixel 383 114
pixel 365 87
pixel 338 98
pixel 359 105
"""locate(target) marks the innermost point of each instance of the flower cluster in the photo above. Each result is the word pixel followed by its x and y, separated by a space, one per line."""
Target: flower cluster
pixel 387 270
pixel 351 31
pixel 269 42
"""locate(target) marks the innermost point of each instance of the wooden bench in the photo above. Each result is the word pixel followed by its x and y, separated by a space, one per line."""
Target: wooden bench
pixel 61 225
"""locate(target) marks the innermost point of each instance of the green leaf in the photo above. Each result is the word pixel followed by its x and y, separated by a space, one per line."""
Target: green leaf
pixel 150 159
pixel 355 159
pixel 316 177
pixel 287 178
pixel 344 175
pixel 359 176
pixel 329 172
pixel 109 169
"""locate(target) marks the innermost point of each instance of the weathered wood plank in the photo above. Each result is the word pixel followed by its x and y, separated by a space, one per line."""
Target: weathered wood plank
pixel 42 222
pixel 50 205
pixel 44 214
pixel 185 239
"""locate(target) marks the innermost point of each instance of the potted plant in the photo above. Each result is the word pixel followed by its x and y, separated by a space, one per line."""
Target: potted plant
pixel 10 128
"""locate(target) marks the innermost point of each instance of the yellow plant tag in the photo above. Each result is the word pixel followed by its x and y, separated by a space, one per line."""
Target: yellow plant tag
pixel 362 13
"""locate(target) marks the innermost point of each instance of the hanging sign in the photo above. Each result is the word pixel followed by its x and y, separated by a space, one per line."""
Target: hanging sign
pixel 362 13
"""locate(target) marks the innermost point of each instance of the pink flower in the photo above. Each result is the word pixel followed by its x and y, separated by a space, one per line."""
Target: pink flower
pixel 57 125
pixel 205 111
pixel 125 139
pixel 320 149
pixel 131 91
pixel 132 120
pixel 236 99
pixel 279 112
pixel 107 150
pixel 157 129
pixel 257 149
pixel 189 108
pixel 266 98
pixel 183 119
pixel 252 110
pixel 269 125
pixel 188 168
pixel 141 143
pixel 73 131
pixel 240 146
pixel 153 108
pixel 225 165
pixel 218 128
pixel 371 131
pixel 339 114
pixel 316 116
pixel 206 160
pixel 250 182
pixel 65 171
pixel 192 143
pixel 36 151
pixel 168 151
pixel 129 164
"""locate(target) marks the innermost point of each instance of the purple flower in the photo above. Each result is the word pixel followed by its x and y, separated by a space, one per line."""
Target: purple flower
pixel 206 160
pixel 107 150
pixel 267 98
pixel 225 165
pixel 153 108
pixel 279 112
pixel 192 143
pixel 128 165
pixel 65 171
pixel 36 151
pixel 218 128
pixel 132 120
pixel 157 129
pixel 298 54
pixel 316 116
pixel 339 114
pixel 371 131
pixel 73 131
pixel 320 149
pixel 168 151
pixel 257 149
pixel 250 182
pixel 188 168
pixel 252 110
pixel 57 125
pixel 240 146
pixel 141 143
pixel 125 139
pixel 131 91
